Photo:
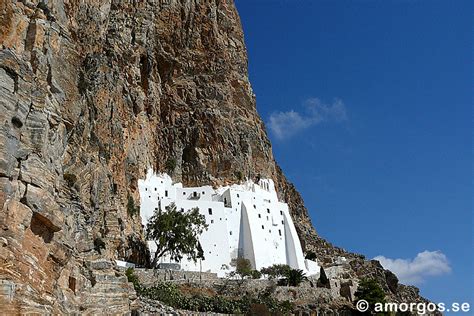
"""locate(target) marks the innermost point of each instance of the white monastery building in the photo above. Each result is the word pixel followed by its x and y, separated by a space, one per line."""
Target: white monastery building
pixel 245 220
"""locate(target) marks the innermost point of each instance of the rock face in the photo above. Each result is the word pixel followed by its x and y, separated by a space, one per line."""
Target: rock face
pixel 94 92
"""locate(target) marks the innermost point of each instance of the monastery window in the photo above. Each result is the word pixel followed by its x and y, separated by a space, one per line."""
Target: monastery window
pixel 254 206
pixel 184 193
pixel 146 189
pixel 268 211
pixel 210 211
pixel 220 218
pixel 283 222
pixel 161 181
pixel 270 231
pixel 149 196
pixel 267 218
pixel 166 193
pixel 203 192
pixel 195 194
pixel 230 233
pixel 156 209
pixel 263 227
pixel 155 189
pixel 238 195
pixel 281 212
pixel 259 216
pixel 182 210
pixel 279 232
pixel 212 221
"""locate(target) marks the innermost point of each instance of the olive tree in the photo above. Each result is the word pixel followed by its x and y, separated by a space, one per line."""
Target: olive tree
pixel 176 233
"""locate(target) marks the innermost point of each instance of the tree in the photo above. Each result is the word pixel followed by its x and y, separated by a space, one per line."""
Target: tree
pixel 176 233
pixel 292 277
pixel 323 280
pixel 276 271
pixel 370 291
pixel 243 267
pixel 295 277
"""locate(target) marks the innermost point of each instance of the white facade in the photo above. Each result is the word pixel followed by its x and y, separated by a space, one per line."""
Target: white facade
pixel 244 221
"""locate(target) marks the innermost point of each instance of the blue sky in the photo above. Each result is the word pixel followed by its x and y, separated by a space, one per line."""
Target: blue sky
pixel 368 106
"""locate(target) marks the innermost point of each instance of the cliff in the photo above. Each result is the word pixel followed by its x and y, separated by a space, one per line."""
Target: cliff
pixel 93 93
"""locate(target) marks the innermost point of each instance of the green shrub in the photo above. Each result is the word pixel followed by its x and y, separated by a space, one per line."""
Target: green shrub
pixel 239 175
pixel 244 267
pixel 255 274
pixel 276 271
pixel 370 291
pixel 285 274
pixel 132 209
pixel 131 277
pixel 295 277
pixel 169 294
pixel 170 165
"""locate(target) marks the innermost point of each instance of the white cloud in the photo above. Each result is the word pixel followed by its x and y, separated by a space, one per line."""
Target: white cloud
pixel 425 264
pixel 286 124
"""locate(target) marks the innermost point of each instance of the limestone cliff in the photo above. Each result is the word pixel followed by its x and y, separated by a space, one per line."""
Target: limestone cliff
pixel 94 92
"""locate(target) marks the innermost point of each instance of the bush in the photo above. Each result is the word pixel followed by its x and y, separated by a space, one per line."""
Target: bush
pixel 295 277
pixel 276 271
pixel 131 277
pixel 169 294
pixel 170 165
pixel 243 267
pixel 370 291
pixel 255 274
pixel 286 275
pixel 239 175
pixel 132 210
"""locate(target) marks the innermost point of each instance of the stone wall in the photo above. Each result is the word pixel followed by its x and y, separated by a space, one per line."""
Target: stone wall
pixel 148 277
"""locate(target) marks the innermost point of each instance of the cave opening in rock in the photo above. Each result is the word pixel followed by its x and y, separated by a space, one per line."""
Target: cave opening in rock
pixel 40 228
